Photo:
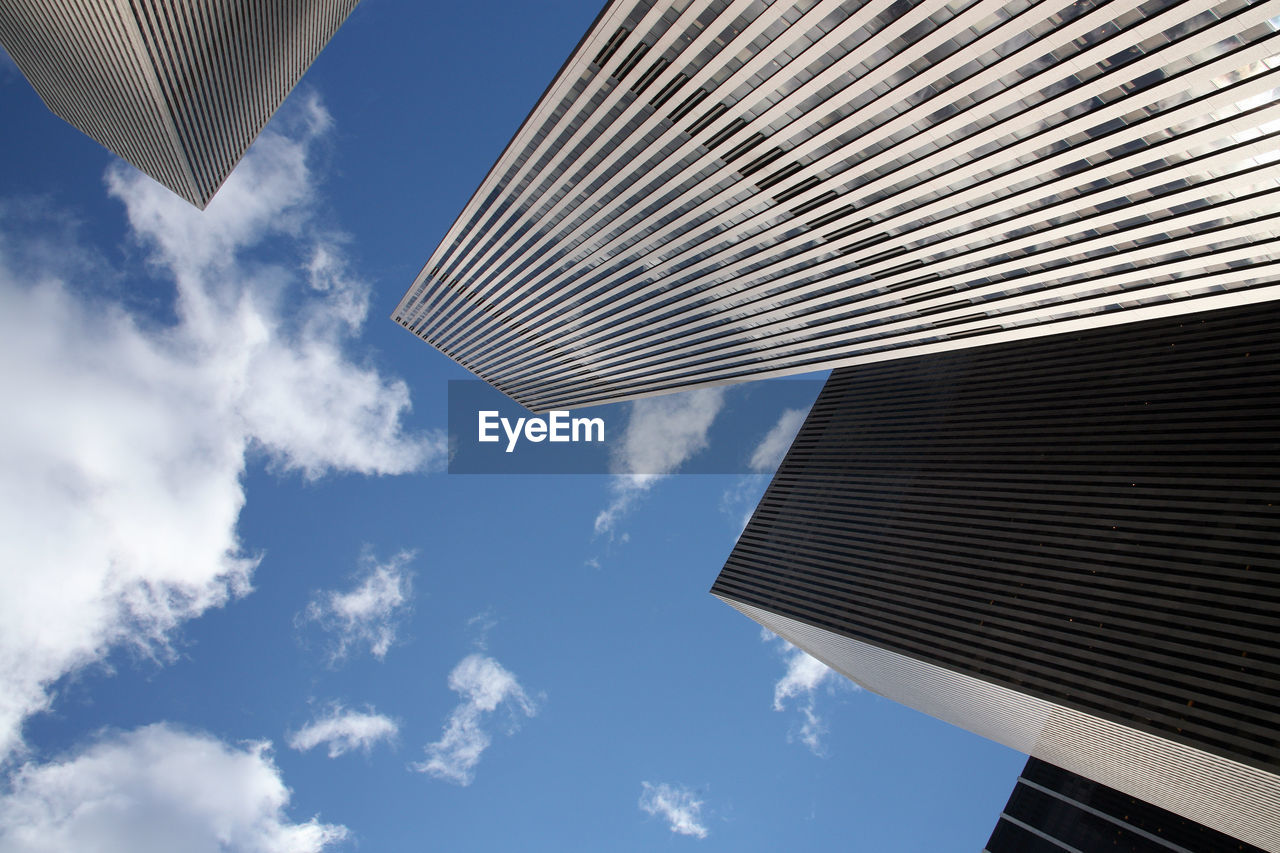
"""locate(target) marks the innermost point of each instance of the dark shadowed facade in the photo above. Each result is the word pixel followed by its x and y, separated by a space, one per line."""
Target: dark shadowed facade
pixel 1067 544
pixel 1053 810
pixel 178 89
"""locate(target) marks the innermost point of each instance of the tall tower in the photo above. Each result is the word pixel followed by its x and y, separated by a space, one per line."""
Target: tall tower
pixel 1052 810
pixel 724 190
pixel 178 89
pixel 1070 545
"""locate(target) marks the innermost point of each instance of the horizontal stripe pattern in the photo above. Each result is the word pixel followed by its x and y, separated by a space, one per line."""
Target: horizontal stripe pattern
pixel 1052 810
pixel 1228 796
pixel 1089 520
pixel 780 188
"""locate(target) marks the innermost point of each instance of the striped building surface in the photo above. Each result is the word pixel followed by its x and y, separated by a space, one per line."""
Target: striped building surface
pixel 1070 545
pixel 178 88
pixel 1053 810
pixel 724 190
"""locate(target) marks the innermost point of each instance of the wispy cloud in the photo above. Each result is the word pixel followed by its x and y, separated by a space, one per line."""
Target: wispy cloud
pixel 369 614
pixel 768 454
pixel 739 500
pixel 485 686
pixel 662 433
pixel 482 623
pixel 344 731
pixel 126 436
pixel 157 788
pixel 676 805
pixel 799 686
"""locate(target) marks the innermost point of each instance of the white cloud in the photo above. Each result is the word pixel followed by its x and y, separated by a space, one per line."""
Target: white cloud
pixel 485 686
pixel 662 433
pixel 344 731
pixel 157 790
pixel 804 677
pixel 739 500
pixel 295 392
pixel 675 804
pixel 125 437
pixel 805 674
pixel 768 454
pixel 483 623
pixel 369 614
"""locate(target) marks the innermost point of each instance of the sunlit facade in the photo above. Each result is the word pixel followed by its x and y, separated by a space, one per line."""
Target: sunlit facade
pixel 714 192
pixel 1070 545
pixel 178 89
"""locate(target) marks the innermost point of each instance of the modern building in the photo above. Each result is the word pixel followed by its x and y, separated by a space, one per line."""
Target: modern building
pixel 1053 810
pixel 1069 544
pixel 178 89
pixel 725 190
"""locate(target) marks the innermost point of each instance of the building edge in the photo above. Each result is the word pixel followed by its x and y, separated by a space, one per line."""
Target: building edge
pixel 594 36
pixel 106 68
pixel 344 15
pixel 1226 795
pixel 1066 325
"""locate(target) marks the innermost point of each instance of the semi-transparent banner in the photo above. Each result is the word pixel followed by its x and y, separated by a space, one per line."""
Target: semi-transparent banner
pixel 738 429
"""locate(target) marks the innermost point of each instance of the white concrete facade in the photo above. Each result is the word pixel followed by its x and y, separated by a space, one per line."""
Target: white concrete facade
pixel 1217 792
pixel 722 191
pixel 180 88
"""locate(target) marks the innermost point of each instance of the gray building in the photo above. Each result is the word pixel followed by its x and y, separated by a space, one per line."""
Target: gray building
pixel 179 89
pixel 719 191
pixel 1070 545
pixel 1052 810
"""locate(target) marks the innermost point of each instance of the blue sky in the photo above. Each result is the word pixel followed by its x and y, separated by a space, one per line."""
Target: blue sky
pixel 242 603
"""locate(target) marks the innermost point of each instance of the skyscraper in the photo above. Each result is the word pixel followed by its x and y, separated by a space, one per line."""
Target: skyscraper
pixel 712 192
pixel 1070 545
pixel 178 89
pixel 1052 810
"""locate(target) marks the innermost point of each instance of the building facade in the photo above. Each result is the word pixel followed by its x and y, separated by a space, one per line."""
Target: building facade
pixel 1070 545
pixel 178 89
pixel 1053 810
pixel 732 189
